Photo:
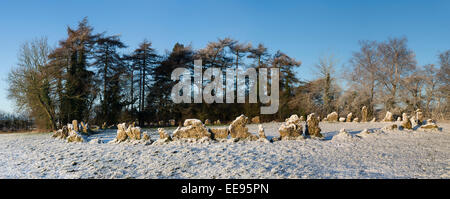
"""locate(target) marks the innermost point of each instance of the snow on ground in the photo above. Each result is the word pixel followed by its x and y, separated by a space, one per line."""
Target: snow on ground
pixel 391 154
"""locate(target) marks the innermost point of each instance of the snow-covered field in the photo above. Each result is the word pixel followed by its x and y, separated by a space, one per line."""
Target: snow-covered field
pixel 383 154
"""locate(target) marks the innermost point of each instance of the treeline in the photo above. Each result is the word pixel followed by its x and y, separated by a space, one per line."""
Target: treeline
pixel 87 77
pixel 14 122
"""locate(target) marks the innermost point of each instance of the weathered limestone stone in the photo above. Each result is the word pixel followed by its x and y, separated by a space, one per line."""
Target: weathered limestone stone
pixel 217 122
pixel 104 126
pixel 163 134
pixel 356 119
pixel 419 116
pixel 312 126
pixel 430 126
pixel 207 122
pixel 390 127
pixel 261 132
pixel 73 135
pixel 291 128
pixel 413 121
pixel 133 133
pixel 61 133
pixel 406 123
pixel 256 120
pixel 85 127
pixel 145 136
pixel 75 125
pixel 364 114
pixel 389 117
pixel 342 119
pixel 332 117
pixel 172 122
pixel 219 133
pixel 374 120
pixel 349 117
pixel 399 119
pixel 302 118
pixel 238 129
pixel 121 133
pixel 192 128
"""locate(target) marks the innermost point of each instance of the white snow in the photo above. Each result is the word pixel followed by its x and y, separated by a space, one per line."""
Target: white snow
pixel 377 154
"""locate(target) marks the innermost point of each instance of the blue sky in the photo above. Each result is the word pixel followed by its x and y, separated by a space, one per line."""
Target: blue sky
pixel 304 30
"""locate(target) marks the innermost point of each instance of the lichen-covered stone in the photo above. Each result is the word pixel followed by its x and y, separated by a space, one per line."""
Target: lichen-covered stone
pixel 84 127
pixel 163 134
pixel 419 116
pixel 356 119
pixel 62 133
pixel 349 117
pixel 406 122
pixel 256 120
pixel 133 133
pixel 291 128
pixel 239 130
pixel 261 132
pixel 364 114
pixel 219 133
pixel 332 117
pixel 193 128
pixel 121 133
pixel 145 136
pixel 390 127
pixel 342 119
pixel 312 126
pixel 388 117
pixel 302 118
pixel 75 125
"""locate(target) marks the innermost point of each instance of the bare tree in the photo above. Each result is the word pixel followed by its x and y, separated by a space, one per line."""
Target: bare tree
pixel 397 61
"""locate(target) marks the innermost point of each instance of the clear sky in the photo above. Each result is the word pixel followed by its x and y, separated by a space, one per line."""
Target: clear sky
pixel 304 30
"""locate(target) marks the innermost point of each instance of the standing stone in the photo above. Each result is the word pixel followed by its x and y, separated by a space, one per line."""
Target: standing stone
pixel 121 133
pixel 104 125
pixel 349 117
pixel 419 116
pixel 238 129
pixel 217 122
pixel 389 117
pixel 207 122
pixel 302 118
pixel 364 114
pixel 413 121
pixel 356 119
pixel 61 133
pixel 291 128
pixel 85 128
pixel 342 119
pixel 332 117
pixel 261 132
pixel 374 120
pixel 312 126
pixel 192 128
pixel 145 136
pixel 75 125
pixel 163 134
pixel 219 133
pixel 399 119
pixel 133 133
pixel 256 120
pixel 406 123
